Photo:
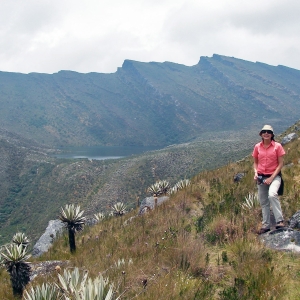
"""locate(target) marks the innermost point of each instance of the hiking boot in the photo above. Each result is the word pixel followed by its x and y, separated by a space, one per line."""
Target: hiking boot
pixel 263 230
pixel 279 225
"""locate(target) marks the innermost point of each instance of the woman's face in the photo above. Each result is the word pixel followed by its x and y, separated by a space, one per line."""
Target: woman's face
pixel 266 135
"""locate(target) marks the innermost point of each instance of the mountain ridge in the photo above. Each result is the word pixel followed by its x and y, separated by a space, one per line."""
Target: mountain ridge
pixel 148 103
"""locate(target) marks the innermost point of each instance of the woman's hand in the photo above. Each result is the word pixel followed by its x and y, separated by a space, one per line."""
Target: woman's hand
pixel 255 165
pixel 268 180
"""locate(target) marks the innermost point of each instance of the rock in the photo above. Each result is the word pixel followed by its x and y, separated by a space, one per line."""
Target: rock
pixel 294 221
pixel 285 239
pixel 44 268
pixel 43 244
pixel 288 138
pixel 149 203
pixel 238 177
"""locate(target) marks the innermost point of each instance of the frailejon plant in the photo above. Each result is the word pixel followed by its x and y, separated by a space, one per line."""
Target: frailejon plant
pixel 183 184
pixel 44 292
pixel 14 259
pixel 99 217
pixel 72 216
pixel 119 209
pixel 164 186
pixel 20 239
pixel 159 188
pixel 251 201
pixel 75 285
pixel 154 189
pixel 72 281
pixel 179 186
pixel 97 289
pixel 173 190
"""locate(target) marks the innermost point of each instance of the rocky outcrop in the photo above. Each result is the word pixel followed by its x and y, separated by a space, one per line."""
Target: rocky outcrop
pixel 288 138
pixel 149 203
pixel 295 220
pixel 44 268
pixel 287 238
pixel 44 243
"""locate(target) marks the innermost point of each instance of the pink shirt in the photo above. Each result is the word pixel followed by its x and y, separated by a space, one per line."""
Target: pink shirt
pixel 267 157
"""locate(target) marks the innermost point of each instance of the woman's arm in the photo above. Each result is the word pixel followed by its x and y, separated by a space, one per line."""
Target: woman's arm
pixel 255 166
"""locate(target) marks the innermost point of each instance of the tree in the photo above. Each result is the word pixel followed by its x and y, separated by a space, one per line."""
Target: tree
pixel 14 258
pixel 72 217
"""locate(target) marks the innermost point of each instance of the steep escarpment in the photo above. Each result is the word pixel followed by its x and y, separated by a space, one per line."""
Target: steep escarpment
pixel 148 103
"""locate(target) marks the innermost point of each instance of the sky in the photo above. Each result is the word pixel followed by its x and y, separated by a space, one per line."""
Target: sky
pixel 47 36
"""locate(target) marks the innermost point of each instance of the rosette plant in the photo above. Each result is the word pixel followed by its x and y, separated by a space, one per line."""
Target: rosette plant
pixel 14 257
pixel 20 239
pixel 73 217
pixel 99 217
pixel 45 291
pixel 119 209
pixel 164 186
pixel 159 188
pixel 154 189
pixel 78 286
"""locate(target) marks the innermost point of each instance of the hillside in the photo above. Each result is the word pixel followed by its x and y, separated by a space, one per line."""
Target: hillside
pixel 34 185
pixel 148 103
pixel 200 244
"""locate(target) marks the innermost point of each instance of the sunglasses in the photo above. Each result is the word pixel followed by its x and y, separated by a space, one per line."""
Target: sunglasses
pixel 267 131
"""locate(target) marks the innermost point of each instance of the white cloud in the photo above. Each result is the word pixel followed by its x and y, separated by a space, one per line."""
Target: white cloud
pixel 97 36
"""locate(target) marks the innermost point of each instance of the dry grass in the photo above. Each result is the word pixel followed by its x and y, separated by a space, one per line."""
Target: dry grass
pixel 198 245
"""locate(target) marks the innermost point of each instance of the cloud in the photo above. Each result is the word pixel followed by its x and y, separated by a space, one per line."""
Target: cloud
pixel 258 31
pixel 271 17
pixel 97 36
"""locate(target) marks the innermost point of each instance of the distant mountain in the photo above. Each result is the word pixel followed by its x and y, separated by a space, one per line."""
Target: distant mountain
pixel 148 103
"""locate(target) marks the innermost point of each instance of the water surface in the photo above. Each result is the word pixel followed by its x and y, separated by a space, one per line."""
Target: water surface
pixel 102 152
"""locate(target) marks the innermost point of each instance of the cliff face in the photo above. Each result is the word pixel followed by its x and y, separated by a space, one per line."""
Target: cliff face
pixel 148 103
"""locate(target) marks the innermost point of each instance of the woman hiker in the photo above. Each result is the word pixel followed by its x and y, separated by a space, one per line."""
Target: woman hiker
pixel 268 161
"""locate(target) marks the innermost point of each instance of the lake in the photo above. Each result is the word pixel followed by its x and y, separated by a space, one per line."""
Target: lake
pixel 102 152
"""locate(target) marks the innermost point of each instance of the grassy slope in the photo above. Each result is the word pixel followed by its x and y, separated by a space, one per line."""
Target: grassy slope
pixel 36 180
pixel 35 186
pixel 198 245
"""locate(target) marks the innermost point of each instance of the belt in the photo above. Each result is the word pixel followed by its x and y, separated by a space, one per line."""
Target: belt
pixel 268 175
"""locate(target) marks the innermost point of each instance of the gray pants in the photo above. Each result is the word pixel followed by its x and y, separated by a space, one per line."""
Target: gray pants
pixel 268 196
